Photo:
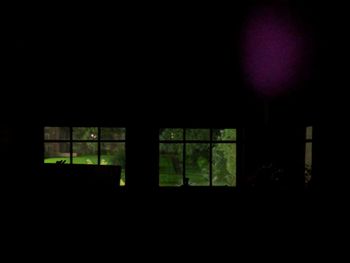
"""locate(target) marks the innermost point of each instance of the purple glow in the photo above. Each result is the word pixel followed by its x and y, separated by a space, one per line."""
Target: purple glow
pixel 273 48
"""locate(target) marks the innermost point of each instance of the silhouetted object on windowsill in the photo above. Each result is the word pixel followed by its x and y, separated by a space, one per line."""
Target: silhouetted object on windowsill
pixel 61 162
pixel 186 182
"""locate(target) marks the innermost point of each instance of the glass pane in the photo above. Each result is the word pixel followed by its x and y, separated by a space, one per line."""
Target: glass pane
pixel 308 154
pixel 198 134
pixel 308 161
pixel 224 134
pixel 171 134
pixel 224 164
pixel 57 152
pixel 85 153
pixel 57 133
pixel 113 153
pixel 112 133
pixel 170 164
pixel 309 133
pixel 85 133
pixel 197 164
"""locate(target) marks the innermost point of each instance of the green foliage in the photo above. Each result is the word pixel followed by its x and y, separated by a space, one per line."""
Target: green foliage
pixel 171 134
pixel 85 133
pixel 112 133
pixel 194 151
pixel 118 158
pixel 197 155
pixel 171 148
pixel 198 134
pixel 224 160
pixel 203 165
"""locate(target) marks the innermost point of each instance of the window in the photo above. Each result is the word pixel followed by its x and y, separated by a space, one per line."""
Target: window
pixel 197 157
pixel 308 155
pixel 85 145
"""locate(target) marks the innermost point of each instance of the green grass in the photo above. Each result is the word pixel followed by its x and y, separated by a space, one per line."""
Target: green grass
pixel 86 159
pixel 197 177
pixel 54 160
pixel 169 177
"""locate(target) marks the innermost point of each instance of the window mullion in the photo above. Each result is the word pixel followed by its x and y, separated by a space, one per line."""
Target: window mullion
pixel 71 144
pixel 184 156
pixel 98 145
pixel 211 158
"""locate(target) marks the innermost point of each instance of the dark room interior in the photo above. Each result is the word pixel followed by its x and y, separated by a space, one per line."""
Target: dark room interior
pixel 185 102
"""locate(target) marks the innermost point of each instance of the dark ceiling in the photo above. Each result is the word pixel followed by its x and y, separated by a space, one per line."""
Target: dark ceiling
pixel 141 62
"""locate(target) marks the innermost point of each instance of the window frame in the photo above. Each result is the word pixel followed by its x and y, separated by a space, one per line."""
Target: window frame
pixel 210 142
pixel 98 141
pixel 306 141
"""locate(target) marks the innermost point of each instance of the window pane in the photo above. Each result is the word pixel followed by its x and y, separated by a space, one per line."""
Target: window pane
pixel 197 164
pixel 224 134
pixel 308 154
pixel 224 164
pixel 112 133
pixel 113 153
pixel 85 153
pixel 309 133
pixel 171 134
pixel 308 161
pixel 170 164
pixel 198 134
pixel 85 133
pixel 56 152
pixel 57 133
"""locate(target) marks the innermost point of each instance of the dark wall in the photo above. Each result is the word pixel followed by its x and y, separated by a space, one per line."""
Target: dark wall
pixel 130 59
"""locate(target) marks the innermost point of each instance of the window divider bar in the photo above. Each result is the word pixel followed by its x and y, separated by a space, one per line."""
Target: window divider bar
pixel 184 156
pixel 57 141
pixel 211 158
pixel 98 145
pixel 62 141
pixel 196 141
pixel 71 144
